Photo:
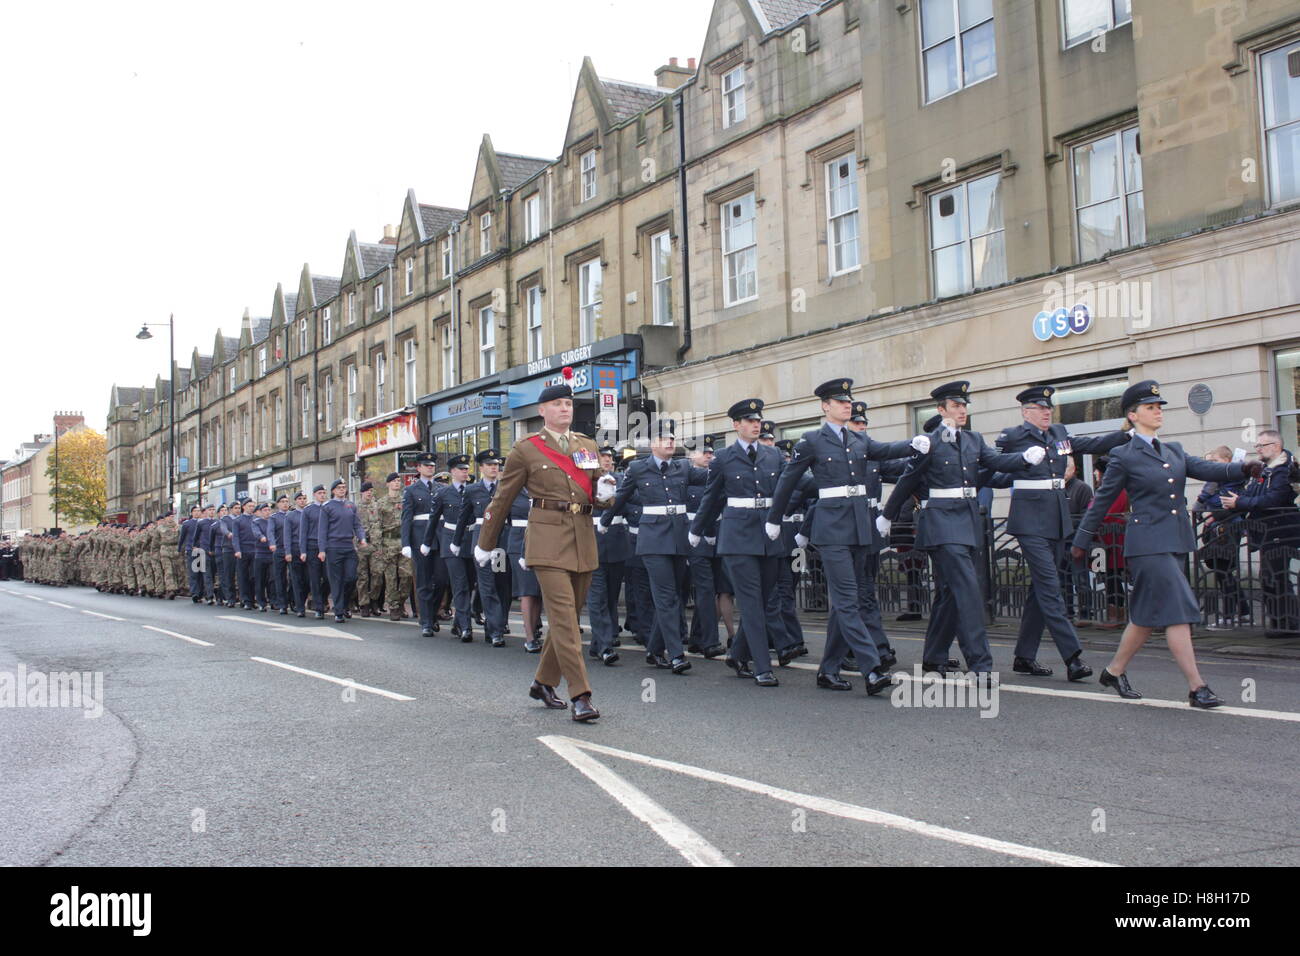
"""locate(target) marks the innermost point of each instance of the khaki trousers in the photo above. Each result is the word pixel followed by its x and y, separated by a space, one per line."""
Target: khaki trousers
pixel 563 593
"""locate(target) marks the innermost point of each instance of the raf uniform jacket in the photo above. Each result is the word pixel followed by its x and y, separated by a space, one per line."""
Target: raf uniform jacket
pixel 848 520
pixel 616 543
pixel 556 539
pixel 949 464
pixel 647 485
pixel 1045 512
pixel 733 475
pixel 477 499
pixel 518 535
pixel 448 503
pixel 1158 521
pixel 695 495
pixel 417 503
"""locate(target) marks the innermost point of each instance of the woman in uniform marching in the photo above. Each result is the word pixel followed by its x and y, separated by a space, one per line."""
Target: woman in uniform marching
pixel 1157 538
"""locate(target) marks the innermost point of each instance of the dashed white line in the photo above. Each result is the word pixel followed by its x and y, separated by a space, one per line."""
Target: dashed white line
pixel 837 808
pixel 33 597
pixel 183 637
pixel 97 614
pixel 68 606
pixel 341 681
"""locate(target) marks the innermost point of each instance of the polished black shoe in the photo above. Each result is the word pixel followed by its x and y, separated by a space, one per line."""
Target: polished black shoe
pixel 498 641
pixel 533 647
pixel 478 619
pixel 609 658
pixel 908 616
pixel 953 664
pixel 850 664
pixel 582 709
pixel 339 619
pixel 1023 665
pixel 658 660
pixel 196 600
pixel 546 695
pixel 320 615
pixel 875 682
pixel 507 629
pixel 679 665
pixel 302 613
pixel 827 682
pixel 767 679
pixel 436 626
pixel 939 669
pixel 426 632
pixel 788 655
pixel 616 642
pixel 888 658
pixel 742 669
pixel 1204 698
pixel 348 615
pixel 1120 683
pixel 717 650
pixel 455 630
pixel 467 636
pixel 1076 669
pixel 284 610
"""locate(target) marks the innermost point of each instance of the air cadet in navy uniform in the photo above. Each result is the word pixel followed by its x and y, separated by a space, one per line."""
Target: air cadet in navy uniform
pixel 186 543
pixel 1157 538
pixel 523 580
pixel 338 525
pixel 1040 520
pixel 950 526
pixel 805 493
pixel 478 495
pixel 417 506
pixel 842 529
pixel 309 550
pixel 295 569
pixel 659 485
pixel 742 480
pixel 445 511
pixel 612 549
pixel 704 622
pixel 245 545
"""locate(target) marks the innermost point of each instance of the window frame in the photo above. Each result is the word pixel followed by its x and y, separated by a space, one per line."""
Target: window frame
pixel 352 307
pixel 487 341
pixel 353 386
pixel 448 347
pixel 968 239
pixel 1122 197
pixel 855 212
pixel 926 99
pixel 532 217
pixel 1278 49
pixel 733 103
pixel 587 183
pixel 328 388
pixel 1087 37
pixel 725 230
pixel 409 370
pixel 409 285
pixel 380 365
pixel 304 402
pixel 590 311
pixel 661 315
pixel 533 329
pixel 485 233
pixel 379 296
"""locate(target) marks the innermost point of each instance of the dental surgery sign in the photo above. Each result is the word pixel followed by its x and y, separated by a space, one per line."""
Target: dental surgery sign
pixel 1061 322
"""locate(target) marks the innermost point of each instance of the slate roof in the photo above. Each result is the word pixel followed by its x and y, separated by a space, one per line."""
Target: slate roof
pixel 324 287
pixel 290 306
pixel 781 12
pixel 375 256
pixel 205 365
pixel 515 169
pixel 124 395
pixel 628 99
pixel 261 328
pixel 182 378
pixel 436 219
pixel 230 347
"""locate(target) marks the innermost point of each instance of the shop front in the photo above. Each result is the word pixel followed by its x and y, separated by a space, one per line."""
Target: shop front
pixel 382 441
pixel 222 491
pixel 189 495
pixel 290 481
pixel 466 420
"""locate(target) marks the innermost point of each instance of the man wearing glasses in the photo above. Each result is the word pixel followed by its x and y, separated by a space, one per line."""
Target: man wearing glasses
pixel 1273 529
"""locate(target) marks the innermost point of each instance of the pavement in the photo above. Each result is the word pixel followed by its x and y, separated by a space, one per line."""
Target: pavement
pixel 226 737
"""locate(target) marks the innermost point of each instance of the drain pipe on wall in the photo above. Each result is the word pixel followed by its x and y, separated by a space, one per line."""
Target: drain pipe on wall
pixel 685 227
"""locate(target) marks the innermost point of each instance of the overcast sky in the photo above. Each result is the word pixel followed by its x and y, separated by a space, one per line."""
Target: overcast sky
pixel 175 157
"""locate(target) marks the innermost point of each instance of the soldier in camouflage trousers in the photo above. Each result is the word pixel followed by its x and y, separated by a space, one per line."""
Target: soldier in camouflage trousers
pixel 387 560
pixel 369 583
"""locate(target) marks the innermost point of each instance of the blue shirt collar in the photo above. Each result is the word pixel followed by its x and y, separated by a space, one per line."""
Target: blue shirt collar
pixel 1146 438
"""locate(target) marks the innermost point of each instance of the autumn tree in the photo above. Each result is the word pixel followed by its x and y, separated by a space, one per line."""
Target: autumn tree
pixel 79 469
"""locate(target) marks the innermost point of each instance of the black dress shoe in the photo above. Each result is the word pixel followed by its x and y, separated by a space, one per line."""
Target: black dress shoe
pixel 498 641
pixel 888 658
pixel 717 650
pixel 680 665
pixel 582 709
pixel 616 642
pixel 1022 665
pixel 1203 698
pixel 436 626
pixel 302 613
pixel 953 664
pixel 340 619
pixel 467 636
pixel 940 669
pixel 788 655
pixel 546 695
pixel 609 658
pixel 827 682
pixel 658 660
pixel 1120 683
pixel 533 647
pixel 876 682
pixel 455 630
pixel 478 619
pixel 767 679
pixel 426 632
pixel 284 610
pixel 320 615
pixel 908 616
pixel 850 663
pixel 742 669
pixel 1076 669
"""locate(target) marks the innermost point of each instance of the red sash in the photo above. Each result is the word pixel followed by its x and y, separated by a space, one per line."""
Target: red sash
pixel 580 477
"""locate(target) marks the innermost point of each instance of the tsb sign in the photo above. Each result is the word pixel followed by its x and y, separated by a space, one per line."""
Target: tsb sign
pixel 1061 322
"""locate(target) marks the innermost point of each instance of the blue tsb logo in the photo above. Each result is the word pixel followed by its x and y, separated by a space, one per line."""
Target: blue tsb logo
pixel 1060 323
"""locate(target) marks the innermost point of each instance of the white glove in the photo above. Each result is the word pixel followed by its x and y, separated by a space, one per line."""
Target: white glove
pixel 713 540
pixel 605 487
pixel 601 528
pixel 523 564
pixel 455 549
pixel 801 541
pixel 424 550
pixel 693 539
pixel 773 530
pixel 921 443
pixel 480 556
pixel 1034 454
pixel 883 525
pixel 406 552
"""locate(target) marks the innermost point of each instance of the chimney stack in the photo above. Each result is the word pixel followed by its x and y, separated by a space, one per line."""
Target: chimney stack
pixel 672 76
pixel 390 235
pixel 64 422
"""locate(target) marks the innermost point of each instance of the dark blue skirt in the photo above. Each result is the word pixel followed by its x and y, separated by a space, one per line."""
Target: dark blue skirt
pixel 523 582
pixel 1160 593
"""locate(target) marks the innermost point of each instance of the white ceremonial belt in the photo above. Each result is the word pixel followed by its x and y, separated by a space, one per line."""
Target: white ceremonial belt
pixel 966 492
pixel 519 522
pixel 663 509
pixel 749 502
pixel 1038 483
pixel 633 530
pixel 449 526
pixel 595 519
pixel 421 517
pixel 846 491
pixel 794 518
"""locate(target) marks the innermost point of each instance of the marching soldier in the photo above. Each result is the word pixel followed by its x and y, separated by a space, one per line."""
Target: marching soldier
pixel 310 551
pixel 387 562
pixel 175 580
pixel 741 482
pixel 295 571
pixel 337 526
pixel 417 509
pixel 842 528
pixel 1040 520
pixel 445 511
pixel 950 527
pixel 612 550
pixel 478 495
pixel 280 546
pixel 223 545
pixel 1157 538
pixel 704 622
pixel 559 468
pixel 523 581
pixel 263 546
pixel 370 581
pixel 245 545
pixel 186 546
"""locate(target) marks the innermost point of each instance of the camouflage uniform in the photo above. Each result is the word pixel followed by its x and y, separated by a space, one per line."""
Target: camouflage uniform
pixel 387 556
pixel 370 581
pixel 61 548
pixel 169 559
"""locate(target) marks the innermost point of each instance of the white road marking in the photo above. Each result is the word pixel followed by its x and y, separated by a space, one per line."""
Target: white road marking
pixel 33 597
pixel 837 808
pixel 311 630
pixel 192 640
pixel 341 681
pixel 68 606
pixel 97 614
pixel 696 850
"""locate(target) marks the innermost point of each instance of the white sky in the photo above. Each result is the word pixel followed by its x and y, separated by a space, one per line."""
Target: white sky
pixel 176 157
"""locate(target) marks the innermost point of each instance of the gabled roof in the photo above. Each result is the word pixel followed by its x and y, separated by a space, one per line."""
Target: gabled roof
pixel 324 288
pixel 205 365
pixel 375 256
pixel 260 329
pixel 628 99
pixel 231 347
pixel 124 395
pixel 778 13
pixel 515 169
pixel 182 378
pixel 290 306
pixel 436 219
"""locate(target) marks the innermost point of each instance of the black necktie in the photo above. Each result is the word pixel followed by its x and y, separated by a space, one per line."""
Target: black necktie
pixel 753 454
pixel 490 487
pixel 428 485
pixel 1155 443
pixel 663 468
pixel 844 437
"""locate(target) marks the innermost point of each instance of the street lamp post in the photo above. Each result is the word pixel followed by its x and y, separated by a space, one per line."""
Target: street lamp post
pixel 144 333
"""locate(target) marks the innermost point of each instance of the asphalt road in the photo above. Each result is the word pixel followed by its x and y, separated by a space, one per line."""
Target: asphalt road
pixel 207 753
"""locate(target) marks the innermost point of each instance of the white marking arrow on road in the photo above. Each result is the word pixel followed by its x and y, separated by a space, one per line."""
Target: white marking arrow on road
pixel 567 746
pixel 321 631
